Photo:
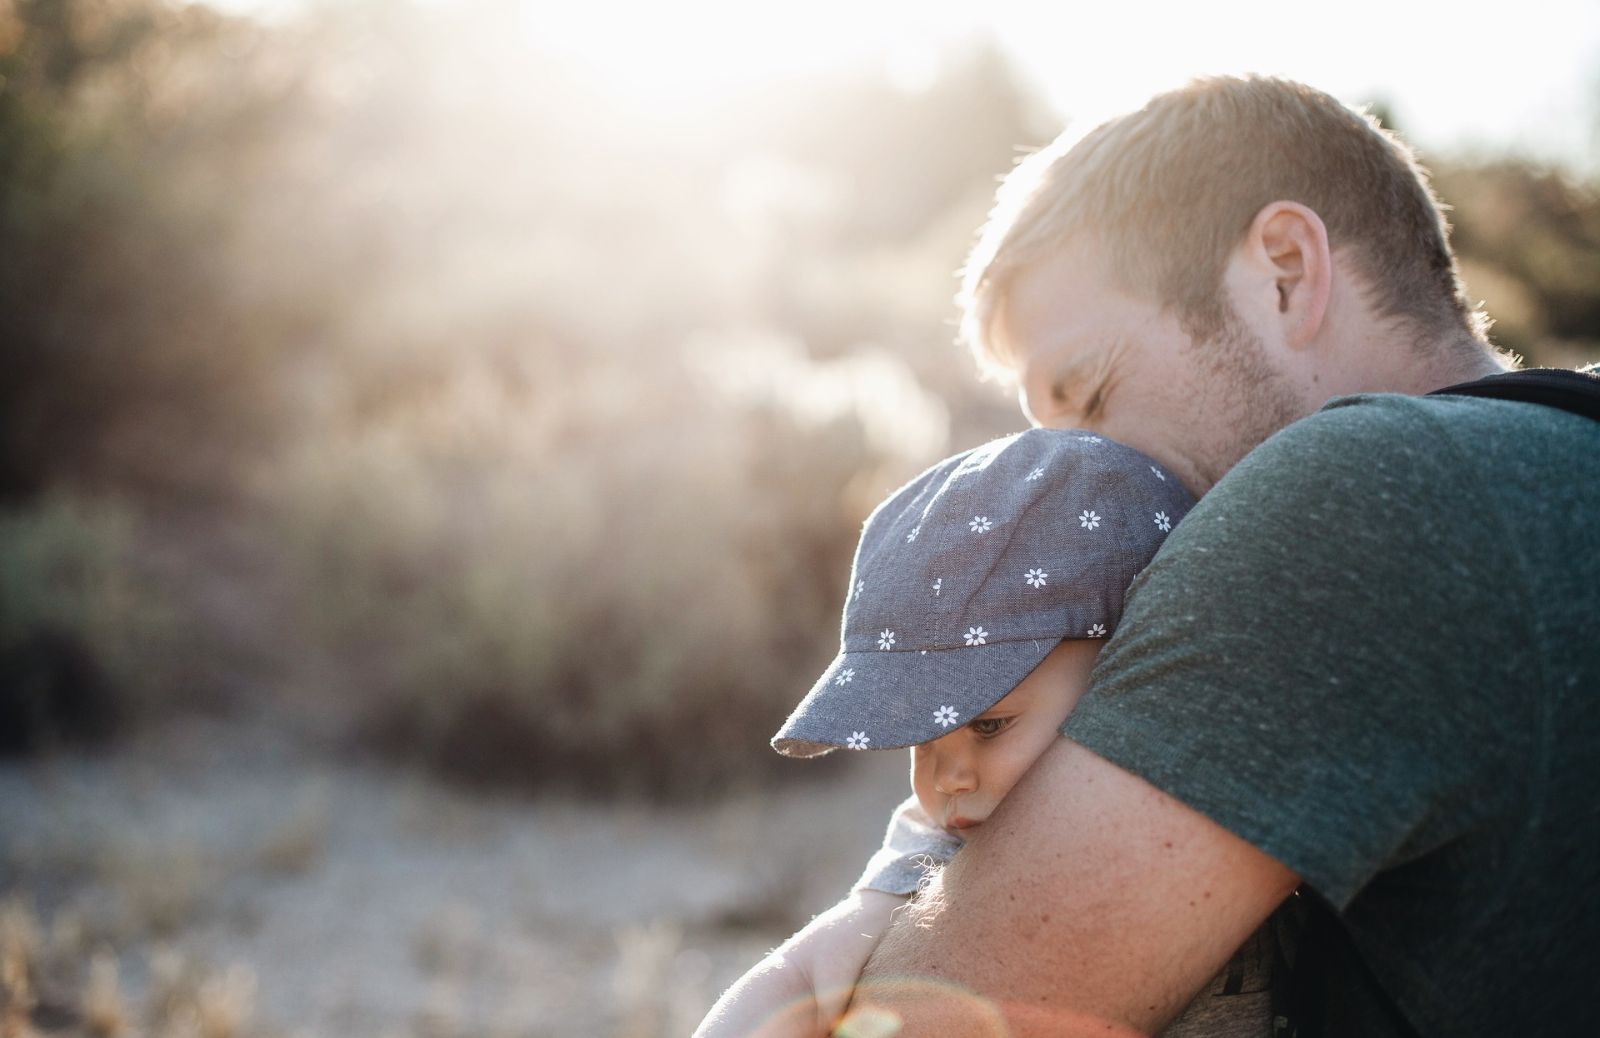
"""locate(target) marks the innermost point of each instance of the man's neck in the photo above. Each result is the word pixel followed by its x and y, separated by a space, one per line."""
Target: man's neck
pixel 1419 369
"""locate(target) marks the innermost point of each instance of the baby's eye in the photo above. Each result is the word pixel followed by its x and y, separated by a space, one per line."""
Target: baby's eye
pixel 989 727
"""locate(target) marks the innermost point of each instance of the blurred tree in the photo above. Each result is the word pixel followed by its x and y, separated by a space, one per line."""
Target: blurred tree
pixel 903 158
pixel 901 182
pixel 131 357
pixel 1527 237
pixel 1529 241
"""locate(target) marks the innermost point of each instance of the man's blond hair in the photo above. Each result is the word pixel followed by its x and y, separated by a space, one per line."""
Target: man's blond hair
pixel 1170 190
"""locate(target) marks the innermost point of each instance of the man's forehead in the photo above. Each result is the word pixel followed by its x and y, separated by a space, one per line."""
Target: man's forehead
pixel 1051 288
pixel 1032 328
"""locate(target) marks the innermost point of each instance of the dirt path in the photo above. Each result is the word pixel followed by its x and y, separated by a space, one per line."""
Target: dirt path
pixel 349 899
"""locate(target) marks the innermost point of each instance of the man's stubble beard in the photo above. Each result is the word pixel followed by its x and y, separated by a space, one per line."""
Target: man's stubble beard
pixel 1256 398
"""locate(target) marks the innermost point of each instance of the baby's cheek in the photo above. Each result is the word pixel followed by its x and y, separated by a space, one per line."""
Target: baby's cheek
pixel 1005 771
pixel 922 782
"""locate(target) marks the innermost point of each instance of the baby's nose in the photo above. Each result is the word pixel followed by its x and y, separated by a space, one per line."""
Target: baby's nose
pixel 955 775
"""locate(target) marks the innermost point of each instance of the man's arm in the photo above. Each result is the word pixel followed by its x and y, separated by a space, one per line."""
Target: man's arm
pixel 1089 903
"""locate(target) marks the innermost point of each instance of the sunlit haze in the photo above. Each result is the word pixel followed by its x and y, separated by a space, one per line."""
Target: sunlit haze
pixel 435 435
pixel 1480 77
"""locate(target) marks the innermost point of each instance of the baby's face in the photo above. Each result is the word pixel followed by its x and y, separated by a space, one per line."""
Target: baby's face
pixel 961 777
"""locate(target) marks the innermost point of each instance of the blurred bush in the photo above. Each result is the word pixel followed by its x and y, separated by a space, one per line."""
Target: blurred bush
pixel 86 640
pixel 551 590
pixel 1529 239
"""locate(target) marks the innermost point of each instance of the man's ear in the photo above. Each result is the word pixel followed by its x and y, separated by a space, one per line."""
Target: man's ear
pixel 1284 269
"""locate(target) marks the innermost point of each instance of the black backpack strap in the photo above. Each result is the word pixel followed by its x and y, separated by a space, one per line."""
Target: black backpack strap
pixel 1325 985
pixel 1575 391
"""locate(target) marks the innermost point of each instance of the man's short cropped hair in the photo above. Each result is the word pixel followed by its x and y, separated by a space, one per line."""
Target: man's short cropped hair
pixel 1170 190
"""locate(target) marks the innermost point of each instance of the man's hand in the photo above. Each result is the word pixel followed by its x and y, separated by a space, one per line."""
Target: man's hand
pixel 1090 903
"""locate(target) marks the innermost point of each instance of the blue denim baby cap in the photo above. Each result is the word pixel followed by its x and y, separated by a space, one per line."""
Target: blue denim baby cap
pixel 970 574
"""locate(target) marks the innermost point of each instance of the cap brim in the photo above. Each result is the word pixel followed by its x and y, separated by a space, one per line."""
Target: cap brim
pixel 888 700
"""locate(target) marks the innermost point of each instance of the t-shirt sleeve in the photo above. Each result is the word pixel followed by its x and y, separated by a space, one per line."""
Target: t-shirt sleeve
pixel 1292 663
pixel 912 846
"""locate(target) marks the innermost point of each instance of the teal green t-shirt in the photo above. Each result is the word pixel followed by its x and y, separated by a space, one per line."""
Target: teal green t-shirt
pixel 1373 651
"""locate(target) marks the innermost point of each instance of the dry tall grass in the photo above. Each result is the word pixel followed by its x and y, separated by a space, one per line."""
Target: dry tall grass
pixel 48 987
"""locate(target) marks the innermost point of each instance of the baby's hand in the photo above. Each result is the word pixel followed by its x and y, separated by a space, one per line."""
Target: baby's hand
pixel 802 988
pixel 834 947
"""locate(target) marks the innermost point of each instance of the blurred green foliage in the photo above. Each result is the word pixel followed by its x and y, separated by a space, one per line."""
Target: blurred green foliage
pixel 552 413
pixel 86 641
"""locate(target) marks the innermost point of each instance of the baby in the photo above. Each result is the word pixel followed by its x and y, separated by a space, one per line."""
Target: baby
pixel 979 597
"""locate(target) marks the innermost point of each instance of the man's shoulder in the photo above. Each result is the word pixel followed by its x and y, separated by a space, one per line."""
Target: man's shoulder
pixel 1394 587
pixel 1390 479
pixel 1356 454
pixel 1443 413
pixel 1393 443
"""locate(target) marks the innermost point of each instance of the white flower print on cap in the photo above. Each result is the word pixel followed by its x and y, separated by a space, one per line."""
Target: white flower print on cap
pixel 1026 534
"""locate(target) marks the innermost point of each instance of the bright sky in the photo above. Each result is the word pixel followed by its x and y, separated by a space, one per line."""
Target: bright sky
pixel 1474 74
